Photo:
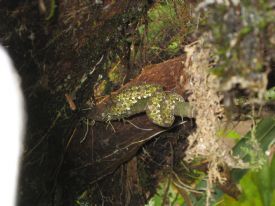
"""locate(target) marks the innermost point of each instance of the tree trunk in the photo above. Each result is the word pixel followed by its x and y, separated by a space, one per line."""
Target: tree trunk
pixel 59 49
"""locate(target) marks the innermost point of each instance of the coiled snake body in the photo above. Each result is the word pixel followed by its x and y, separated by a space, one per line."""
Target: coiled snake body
pixel 160 106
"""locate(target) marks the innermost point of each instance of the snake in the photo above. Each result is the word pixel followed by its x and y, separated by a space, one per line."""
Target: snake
pixel 160 106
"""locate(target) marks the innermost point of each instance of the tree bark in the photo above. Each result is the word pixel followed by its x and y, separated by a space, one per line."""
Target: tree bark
pixel 59 49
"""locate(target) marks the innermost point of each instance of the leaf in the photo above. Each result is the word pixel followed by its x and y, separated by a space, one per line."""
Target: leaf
pixel 233 135
pixel 270 94
pixel 258 188
pixel 265 134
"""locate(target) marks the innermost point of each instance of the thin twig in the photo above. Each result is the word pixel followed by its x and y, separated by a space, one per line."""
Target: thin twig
pixel 70 139
pixel 45 135
pixel 166 192
pixel 145 129
pixel 86 133
pixel 93 70
pixel 182 185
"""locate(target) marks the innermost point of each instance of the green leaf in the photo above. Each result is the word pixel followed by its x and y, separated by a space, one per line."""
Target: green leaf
pixel 265 134
pixel 52 10
pixel 172 196
pixel 270 94
pixel 233 135
pixel 258 188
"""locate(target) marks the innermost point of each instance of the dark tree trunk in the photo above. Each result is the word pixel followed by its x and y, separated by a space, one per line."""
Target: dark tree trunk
pixel 55 46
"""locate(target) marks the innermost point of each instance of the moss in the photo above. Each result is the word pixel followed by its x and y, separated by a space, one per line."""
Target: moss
pixel 115 77
pixel 239 37
pixel 166 27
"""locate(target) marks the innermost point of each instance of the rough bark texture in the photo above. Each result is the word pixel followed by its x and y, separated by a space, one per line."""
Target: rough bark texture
pixel 54 49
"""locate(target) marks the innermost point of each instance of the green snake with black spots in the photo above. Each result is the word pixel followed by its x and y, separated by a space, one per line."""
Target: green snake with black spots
pixel 160 106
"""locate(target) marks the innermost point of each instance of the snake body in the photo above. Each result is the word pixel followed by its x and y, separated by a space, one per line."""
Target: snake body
pixel 160 106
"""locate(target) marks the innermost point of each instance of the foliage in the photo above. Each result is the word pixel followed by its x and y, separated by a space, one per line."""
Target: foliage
pixel 166 28
pixel 258 188
pixel 240 36
pixel 242 43
pixel 270 94
pixel 167 190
